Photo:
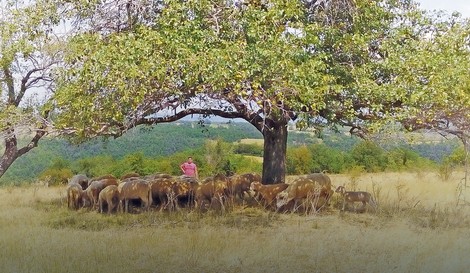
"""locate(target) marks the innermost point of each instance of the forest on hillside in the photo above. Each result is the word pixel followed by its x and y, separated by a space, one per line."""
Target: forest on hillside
pixel 148 149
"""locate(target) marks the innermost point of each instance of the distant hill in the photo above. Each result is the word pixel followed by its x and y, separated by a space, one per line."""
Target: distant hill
pixel 167 139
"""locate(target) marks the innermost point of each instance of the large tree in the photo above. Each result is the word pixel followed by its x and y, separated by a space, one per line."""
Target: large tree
pixel 267 62
pixel 28 51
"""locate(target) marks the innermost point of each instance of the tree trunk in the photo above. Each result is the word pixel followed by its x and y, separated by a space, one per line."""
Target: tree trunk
pixel 274 155
pixel 9 155
pixel 12 152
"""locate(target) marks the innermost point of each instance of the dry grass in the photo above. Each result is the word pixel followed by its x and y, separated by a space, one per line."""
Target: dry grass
pixel 252 141
pixel 417 228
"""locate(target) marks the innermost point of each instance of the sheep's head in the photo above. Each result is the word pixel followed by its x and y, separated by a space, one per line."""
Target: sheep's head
pixel 340 189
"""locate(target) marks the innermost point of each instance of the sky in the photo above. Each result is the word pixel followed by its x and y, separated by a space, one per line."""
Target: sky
pixel 462 6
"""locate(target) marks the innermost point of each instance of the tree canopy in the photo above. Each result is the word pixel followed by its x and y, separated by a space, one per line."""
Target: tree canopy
pixel 338 62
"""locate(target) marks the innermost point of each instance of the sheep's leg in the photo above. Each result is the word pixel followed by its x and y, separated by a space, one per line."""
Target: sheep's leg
pixel 101 206
pixel 295 206
pixel 110 206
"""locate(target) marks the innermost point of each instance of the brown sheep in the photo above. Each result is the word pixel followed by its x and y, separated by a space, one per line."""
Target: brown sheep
pixel 317 186
pixel 93 192
pixel 268 193
pixel 106 176
pixel 110 195
pixel 95 187
pixel 74 195
pixel 325 181
pixel 86 202
pixel 129 175
pixel 349 197
pixel 134 189
pixel 80 179
pixel 238 185
pixel 214 187
pixel 151 177
pixel 184 190
pixel 162 189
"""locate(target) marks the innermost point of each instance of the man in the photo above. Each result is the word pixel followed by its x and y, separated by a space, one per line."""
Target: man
pixel 189 168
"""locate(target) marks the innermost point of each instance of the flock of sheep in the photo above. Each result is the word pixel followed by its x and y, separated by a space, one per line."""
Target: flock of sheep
pixel 308 192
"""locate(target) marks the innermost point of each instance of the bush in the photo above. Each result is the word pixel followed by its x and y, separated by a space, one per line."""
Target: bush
pixel 56 176
pixel 370 156
pixel 299 160
pixel 457 158
pixel 330 159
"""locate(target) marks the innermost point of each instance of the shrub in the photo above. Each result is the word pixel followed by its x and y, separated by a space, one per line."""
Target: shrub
pixel 56 176
pixel 331 159
pixel 370 156
pixel 299 160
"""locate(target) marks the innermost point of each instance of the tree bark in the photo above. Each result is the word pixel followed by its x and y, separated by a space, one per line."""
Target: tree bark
pixel 12 152
pixel 274 155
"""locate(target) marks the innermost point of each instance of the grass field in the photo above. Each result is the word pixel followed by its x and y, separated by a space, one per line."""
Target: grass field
pixel 417 228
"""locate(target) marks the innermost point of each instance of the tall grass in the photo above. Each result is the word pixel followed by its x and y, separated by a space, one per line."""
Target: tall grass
pixel 417 228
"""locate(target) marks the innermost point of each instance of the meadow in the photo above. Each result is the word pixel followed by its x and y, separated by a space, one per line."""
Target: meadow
pixel 418 227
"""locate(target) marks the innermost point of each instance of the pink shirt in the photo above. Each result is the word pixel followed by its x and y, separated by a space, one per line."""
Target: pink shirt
pixel 189 169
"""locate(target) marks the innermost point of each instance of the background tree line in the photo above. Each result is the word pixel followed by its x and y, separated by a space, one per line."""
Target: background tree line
pixel 218 147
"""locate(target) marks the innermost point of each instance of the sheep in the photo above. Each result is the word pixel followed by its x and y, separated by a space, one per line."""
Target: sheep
pixel 74 195
pixel 93 191
pixel 268 193
pixel 80 179
pixel 86 202
pixel 317 186
pixel 184 189
pixel 162 188
pixel 349 197
pixel 106 176
pixel 238 185
pixel 96 186
pixel 129 175
pixel 110 195
pixel 134 189
pixel 212 187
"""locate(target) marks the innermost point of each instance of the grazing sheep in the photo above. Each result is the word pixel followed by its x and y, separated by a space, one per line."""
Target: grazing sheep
pixel 316 186
pixel 129 175
pixel 134 189
pixel 349 197
pixel 107 176
pixel 238 185
pixel 86 202
pixel 212 187
pixel 110 195
pixel 93 192
pixel 162 189
pixel 74 195
pixel 151 177
pixel 184 189
pixel 268 193
pixel 80 179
